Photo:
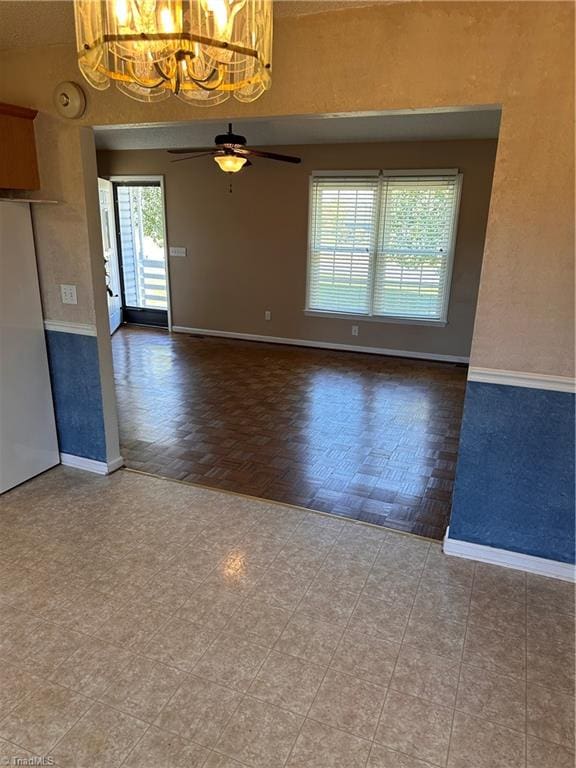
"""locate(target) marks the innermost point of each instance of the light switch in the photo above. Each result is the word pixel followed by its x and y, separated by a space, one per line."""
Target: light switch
pixel 68 294
pixel 178 251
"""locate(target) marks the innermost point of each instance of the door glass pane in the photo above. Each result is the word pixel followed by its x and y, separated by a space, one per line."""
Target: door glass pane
pixel 141 221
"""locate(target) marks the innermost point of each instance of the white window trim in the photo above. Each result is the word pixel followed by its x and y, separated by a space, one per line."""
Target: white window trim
pixel 390 172
pixel 443 321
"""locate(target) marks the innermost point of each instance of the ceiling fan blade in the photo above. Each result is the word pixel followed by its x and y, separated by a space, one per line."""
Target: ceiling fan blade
pixel 194 157
pixel 188 151
pixel 269 155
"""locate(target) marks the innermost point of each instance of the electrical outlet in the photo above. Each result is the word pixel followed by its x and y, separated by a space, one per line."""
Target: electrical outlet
pixel 267 315
pixel 68 294
pixel 354 330
pixel 177 251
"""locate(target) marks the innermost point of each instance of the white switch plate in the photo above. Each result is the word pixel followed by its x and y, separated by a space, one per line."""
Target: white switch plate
pixel 354 330
pixel 267 315
pixel 68 294
pixel 178 251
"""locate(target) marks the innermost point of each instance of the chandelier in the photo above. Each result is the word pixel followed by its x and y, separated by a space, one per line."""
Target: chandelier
pixel 203 51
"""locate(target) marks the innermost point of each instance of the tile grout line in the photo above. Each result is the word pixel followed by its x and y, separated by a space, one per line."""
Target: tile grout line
pixel 460 665
pixel 322 562
pixel 133 747
pixel 149 723
pixel 107 705
pixel 341 535
pixel 243 694
pixel 328 667
pixel 401 644
pixel 97 701
pixel 136 655
pixel 86 635
pixel 246 693
pixel 190 674
pixel 82 716
pixel 15 744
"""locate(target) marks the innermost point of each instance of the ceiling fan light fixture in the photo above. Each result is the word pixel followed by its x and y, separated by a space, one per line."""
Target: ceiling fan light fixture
pixel 203 51
pixel 230 163
pixel 231 152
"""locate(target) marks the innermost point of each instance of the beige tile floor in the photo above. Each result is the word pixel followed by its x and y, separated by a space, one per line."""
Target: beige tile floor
pixel 150 624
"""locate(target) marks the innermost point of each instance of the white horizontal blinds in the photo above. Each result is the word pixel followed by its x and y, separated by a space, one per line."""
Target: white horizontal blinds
pixel 415 246
pixel 343 229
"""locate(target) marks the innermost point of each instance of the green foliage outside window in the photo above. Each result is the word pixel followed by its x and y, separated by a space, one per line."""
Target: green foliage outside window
pixel 151 211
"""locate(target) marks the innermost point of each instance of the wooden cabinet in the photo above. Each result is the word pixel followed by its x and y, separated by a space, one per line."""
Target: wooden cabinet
pixel 18 163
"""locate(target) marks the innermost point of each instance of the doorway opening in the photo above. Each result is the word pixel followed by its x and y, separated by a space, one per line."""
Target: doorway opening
pixel 134 240
pixel 349 408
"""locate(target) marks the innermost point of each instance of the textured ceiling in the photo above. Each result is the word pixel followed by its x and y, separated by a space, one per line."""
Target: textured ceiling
pixel 411 126
pixel 33 23
pixel 306 7
pixel 50 22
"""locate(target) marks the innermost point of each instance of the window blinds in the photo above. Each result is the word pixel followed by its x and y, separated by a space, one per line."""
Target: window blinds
pixel 343 226
pixel 382 245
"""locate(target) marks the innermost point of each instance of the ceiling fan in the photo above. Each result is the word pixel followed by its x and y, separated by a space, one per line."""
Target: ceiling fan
pixel 231 153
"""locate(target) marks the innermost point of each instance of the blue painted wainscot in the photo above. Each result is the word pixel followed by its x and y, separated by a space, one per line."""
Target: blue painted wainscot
pixel 75 376
pixel 515 478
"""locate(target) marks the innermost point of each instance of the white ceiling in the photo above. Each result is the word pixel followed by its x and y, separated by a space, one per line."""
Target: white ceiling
pixel 480 123
pixel 31 23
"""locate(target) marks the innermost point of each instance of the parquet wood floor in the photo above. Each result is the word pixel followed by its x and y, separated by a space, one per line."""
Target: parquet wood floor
pixel 362 436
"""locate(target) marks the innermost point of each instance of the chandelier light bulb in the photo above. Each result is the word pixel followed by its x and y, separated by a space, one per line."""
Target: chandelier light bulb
pixel 122 12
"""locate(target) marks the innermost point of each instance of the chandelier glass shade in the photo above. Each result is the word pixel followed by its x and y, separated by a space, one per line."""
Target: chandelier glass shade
pixel 203 51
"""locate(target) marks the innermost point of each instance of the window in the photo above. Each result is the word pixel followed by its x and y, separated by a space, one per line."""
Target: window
pixel 381 245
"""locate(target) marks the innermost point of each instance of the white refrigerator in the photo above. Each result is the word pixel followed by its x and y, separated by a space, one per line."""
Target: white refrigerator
pixel 28 441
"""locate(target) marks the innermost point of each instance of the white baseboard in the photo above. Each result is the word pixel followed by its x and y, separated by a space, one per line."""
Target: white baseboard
pixel 520 379
pixel 115 464
pixel 321 344
pixel 507 559
pixel 90 465
pixel 84 329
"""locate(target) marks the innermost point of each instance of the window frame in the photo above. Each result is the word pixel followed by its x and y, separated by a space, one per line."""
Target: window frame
pixel 370 316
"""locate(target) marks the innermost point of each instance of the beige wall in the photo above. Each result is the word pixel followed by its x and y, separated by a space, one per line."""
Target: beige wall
pixel 400 56
pixel 247 251
pixel 63 249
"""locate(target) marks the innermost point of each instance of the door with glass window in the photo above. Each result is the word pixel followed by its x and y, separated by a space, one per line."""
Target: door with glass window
pixel 142 245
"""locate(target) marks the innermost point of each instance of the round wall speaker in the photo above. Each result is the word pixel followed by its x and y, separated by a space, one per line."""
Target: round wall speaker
pixel 69 100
